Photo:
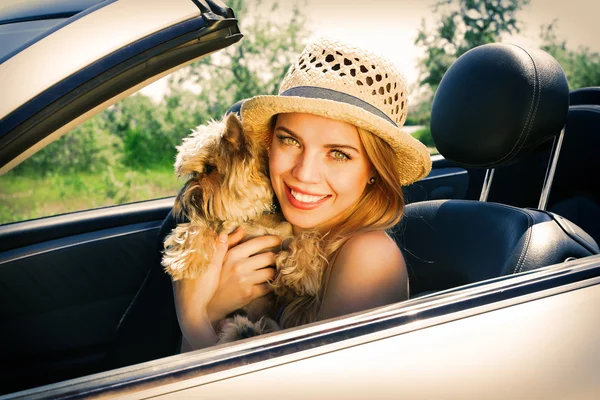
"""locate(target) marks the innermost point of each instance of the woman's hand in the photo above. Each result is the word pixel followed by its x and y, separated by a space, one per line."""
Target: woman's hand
pixel 243 274
pixel 235 276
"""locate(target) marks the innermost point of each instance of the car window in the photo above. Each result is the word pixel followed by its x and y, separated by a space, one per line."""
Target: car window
pixel 123 154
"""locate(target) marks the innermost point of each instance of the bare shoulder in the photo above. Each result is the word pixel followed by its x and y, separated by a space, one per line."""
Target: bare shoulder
pixel 375 248
pixel 369 272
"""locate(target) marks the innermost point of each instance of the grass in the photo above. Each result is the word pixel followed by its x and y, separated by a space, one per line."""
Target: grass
pixel 24 197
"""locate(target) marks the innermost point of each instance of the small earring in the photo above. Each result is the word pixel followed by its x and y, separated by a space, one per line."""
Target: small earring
pixel 372 180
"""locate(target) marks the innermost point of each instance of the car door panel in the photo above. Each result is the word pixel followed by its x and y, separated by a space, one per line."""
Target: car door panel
pixel 66 303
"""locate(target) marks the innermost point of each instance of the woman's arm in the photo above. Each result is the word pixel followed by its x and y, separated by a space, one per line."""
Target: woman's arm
pixel 192 297
pixel 369 272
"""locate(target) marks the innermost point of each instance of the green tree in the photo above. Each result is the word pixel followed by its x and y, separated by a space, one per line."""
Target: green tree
pixel 581 66
pixel 462 25
pixel 88 148
pixel 140 124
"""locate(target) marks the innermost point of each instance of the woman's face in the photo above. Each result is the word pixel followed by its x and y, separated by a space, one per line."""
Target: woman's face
pixel 319 168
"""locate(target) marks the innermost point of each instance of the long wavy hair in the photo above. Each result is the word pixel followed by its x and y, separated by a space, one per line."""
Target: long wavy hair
pixel 380 207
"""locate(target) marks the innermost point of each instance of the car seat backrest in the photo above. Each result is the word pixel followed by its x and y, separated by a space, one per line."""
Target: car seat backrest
pixel 495 104
pixel 450 243
pixel 578 167
pixel 588 95
pixel 576 189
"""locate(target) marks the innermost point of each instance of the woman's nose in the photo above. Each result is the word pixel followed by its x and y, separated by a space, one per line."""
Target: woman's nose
pixel 307 168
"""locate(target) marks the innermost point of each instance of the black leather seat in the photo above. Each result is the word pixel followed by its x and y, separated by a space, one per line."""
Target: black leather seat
pixel 576 189
pixel 585 96
pixel 495 104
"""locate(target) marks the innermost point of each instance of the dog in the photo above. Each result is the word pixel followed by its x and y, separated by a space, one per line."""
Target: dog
pixel 228 186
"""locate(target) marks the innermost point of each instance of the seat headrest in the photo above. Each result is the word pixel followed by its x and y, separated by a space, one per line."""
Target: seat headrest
pixel 588 95
pixel 496 102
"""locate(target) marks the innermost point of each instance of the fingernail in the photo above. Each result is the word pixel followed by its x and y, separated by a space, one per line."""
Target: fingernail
pixel 223 237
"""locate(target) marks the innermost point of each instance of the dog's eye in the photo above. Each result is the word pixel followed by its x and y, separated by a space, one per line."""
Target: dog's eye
pixel 208 168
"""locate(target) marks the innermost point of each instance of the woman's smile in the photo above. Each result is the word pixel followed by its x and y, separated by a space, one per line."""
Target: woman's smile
pixel 303 200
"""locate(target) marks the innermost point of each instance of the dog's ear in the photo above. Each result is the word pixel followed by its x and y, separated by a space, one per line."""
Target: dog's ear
pixel 184 208
pixel 180 209
pixel 233 130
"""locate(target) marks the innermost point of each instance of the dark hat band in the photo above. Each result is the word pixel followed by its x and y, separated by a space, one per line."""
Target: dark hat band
pixel 314 92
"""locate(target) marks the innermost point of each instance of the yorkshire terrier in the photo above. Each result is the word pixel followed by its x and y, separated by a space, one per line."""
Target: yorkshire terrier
pixel 228 186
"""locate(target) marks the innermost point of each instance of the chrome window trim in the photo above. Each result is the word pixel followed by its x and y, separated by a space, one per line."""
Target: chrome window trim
pixel 457 171
pixel 214 363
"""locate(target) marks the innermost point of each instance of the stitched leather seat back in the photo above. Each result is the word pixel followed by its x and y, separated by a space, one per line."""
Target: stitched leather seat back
pixel 494 106
pixel 449 243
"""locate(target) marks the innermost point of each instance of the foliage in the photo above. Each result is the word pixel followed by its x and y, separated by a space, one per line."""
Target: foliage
pixel 581 66
pixel 462 25
pixel 418 114
pixel 140 125
pixel 88 148
pixel 424 136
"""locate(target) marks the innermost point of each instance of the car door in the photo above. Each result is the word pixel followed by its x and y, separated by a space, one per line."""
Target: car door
pixel 84 292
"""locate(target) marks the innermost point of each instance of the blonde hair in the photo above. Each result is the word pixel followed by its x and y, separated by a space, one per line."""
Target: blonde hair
pixel 380 207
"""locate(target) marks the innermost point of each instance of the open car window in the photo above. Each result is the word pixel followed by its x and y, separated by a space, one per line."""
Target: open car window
pixel 122 155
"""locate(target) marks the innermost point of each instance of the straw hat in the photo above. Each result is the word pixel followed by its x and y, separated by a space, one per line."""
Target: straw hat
pixel 339 81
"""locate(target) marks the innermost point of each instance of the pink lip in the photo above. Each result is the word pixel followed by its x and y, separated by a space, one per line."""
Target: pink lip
pixel 298 204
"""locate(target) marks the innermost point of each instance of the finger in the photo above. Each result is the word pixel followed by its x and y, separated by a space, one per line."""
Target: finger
pixel 235 237
pixel 220 250
pixel 257 262
pixel 262 275
pixel 254 245
pixel 260 290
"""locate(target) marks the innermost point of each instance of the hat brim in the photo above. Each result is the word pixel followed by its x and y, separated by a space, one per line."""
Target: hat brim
pixel 413 161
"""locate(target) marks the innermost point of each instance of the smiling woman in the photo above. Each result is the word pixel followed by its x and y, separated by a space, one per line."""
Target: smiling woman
pixel 337 161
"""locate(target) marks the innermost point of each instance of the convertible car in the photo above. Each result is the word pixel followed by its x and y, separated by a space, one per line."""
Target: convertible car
pixel 500 239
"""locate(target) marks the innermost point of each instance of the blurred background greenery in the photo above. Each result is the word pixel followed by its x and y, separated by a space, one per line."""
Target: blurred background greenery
pixel 126 153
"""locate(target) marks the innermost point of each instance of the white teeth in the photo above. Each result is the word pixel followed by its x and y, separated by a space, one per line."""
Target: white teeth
pixel 306 198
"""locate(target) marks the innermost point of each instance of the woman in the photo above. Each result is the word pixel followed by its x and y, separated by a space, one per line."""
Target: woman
pixel 337 159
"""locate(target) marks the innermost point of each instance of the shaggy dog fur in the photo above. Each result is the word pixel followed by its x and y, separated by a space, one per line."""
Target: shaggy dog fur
pixel 228 186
